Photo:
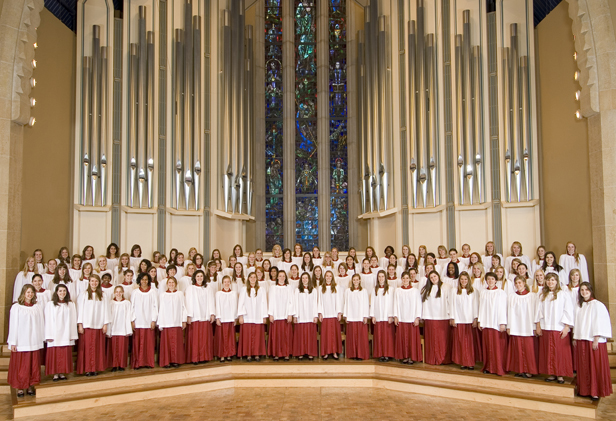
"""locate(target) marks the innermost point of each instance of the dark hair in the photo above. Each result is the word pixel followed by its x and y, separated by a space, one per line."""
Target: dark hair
pixel 172 255
pixel 55 299
pixel 241 251
pixel 99 290
pixel 456 271
pixel 68 261
pixel 590 288
pixel 415 263
pixel 171 267
pixel 195 259
pixel 285 252
pixel 432 255
pixel 385 287
pixel 273 268
pixel 301 284
pixel 206 279
pixel 557 267
pixel 56 277
pixel 310 265
pixel 333 284
pixel 492 274
pixel 147 263
pixel 453 249
pixel 390 248
pixel 83 253
pixel 286 278
pixel 133 248
pixel 108 253
pixel 427 289
pixel 144 275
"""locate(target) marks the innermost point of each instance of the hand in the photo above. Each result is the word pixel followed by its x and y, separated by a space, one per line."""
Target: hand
pixel 316 319
pixel 212 318
pixel 374 320
pixel 365 320
pixel 390 320
pixel 339 316
pixel 416 322
pixel 295 320
pixel 271 319
pixel 320 317
pixel 133 325
pixel 503 328
pixel 189 320
pixel 475 323
pixel 290 319
pixel 539 333
pixel 218 322
pixel 49 340
pixel 241 320
pixel 80 328
pixel 152 325
pixel 13 348
pixel 183 325
pixel 574 342
pixel 509 332
pixel 452 323
pixel 595 343
pixel 564 332
pixel 104 328
pixel 396 321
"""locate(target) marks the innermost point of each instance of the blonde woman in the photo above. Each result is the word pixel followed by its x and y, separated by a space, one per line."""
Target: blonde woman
pixel 516 251
pixel 574 260
pixel 24 277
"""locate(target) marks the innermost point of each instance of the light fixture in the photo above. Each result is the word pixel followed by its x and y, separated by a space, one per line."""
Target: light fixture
pixel 35 45
pixel 32 102
pixel 32 121
pixel 578 115
pixel 576 75
pixel 32 82
pixel 575 56
pixel 577 95
pixel 33 64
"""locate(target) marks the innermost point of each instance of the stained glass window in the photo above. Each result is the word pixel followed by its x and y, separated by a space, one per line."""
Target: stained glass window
pixel 306 164
pixel 273 124
pixel 339 200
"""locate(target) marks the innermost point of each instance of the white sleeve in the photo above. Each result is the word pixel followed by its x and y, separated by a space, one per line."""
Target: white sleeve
pixel 372 303
pixel 13 326
pixel 73 318
pixel 50 321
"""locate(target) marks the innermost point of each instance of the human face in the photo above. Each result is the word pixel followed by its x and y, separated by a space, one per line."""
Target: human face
pixel 476 271
pixel 430 259
pixel 251 259
pixel 31 264
pixel 239 268
pixel 259 255
pixel 549 259
pixel 391 272
pixel 125 259
pixel 522 270
pixel 76 263
pixel 212 270
pixel 117 294
pixel 366 265
pixel 520 285
pixel 474 259
pixel 585 292
pixel 259 273
pixel 575 278
pixel 144 282
pixel 199 260
pixel 451 270
pixel 113 250
pixel 171 285
pixel 356 282
pixel 495 261
pixel 406 280
pixel 180 259
pixel 298 250
pixel 429 268
pixel 335 254
pixel 51 266
pixel 191 270
pixel 237 250
pixel 37 282
pixel 422 251
pixel 516 250
pixel 540 278
pixel 191 253
pixel 29 295
pixel 128 278
pixel 93 283
pixel 306 258
pixel 412 275
pixel 374 262
pixel 466 250
pixel 152 272
pixel 341 270
pixel 62 272
pixel 226 284
pixel 382 279
pixel 136 252
pixel 62 293
pixel 232 261
pixel 405 251
pixel 442 252
pixel 305 280
pixel 463 281
pixel 453 255
pixel 514 266
pixel 64 254
pixel 172 273
pixel 541 252
pixel 199 278
pixel 102 263
pixel 434 278
pixel 252 279
pixel 318 272
pixel 491 280
pixel 87 270
pixel 570 249
pixel 267 265
pixel 294 272
pixel 349 261
pixel 393 260
pixel 281 278
pixel 316 252
pixel 38 256
pixel 143 266
pixel 287 255
pixel 551 283
pixel 89 252
pixel 490 248
pixel 329 277
pixel 500 272
pixel 216 254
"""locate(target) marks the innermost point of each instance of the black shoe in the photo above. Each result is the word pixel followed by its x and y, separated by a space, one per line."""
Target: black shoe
pixel 175 365
pixel 229 359
pixel 20 393
pixel 385 359
pixel 31 391
pixel 56 378
pixel 519 375
pixel 121 369
pixel 410 362
pixel 95 373
pixel 335 357
pixel 63 377
pixel 470 368
pixel 257 359
pixel 462 367
pixel 550 379
pixel 196 363
pixel 486 372
pixel 114 369
pixel 249 359
pixel 167 366
pixel 560 381
pixel 594 398
pixel 325 357
pixel 382 359
pixel 88 374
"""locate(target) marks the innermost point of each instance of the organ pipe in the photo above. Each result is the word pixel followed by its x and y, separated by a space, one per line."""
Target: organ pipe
pixel 134 66
pixel 103 142
pixel 188 104
pixel 226 105
pixel 383 117
pixel 241 109
pixel 141 95
pixel 431 72
pixel 525 124
pixel 369 111
pixel 179 73
pixel 197 108
pixel 412 121
pixel 468 106
pixel 86 129
pixel 249 138
pixel 362 121
pixel 515 117
pixel 477 110
pixel 151 132
pixel 421 87
pixel 95 109
pixel 460 122
pixel 507 121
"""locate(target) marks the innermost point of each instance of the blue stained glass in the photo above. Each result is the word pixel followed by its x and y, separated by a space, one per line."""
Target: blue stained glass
pixel 339 222
pixel 307 222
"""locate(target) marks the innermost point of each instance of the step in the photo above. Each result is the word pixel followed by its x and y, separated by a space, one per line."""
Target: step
pixel 612 357
pixel 613 373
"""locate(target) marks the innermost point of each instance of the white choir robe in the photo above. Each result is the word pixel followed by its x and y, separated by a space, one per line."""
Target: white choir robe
pixel 402 263
pixel 48 278
pixel 253 307
pixel 280 304
pixel 248 270
pixel 407 304
pixel 351 271
pixel 464 261
pixel 382 305
pixel 479 285
pixel 509 287
pixel 297 260
pixel 464 308
pixel 90 261
pixel 161 272
pixel 92 314
pixel 335 264
pixel 383 263
pixel 72 289
pixel 200 303
pixel 330 303
pixel 118 274
pixel 101 273
pixel 535 265
pixel 184 283
pixel 136 261
pixel 592 320
pixel 568 263
pixel 26 327
pixel 317 261
pixel 286 266
pixel 42 267
pixel 75 274
pixel 509 259
pixel 215 281
pixel 356 305
pixel 60 324
pixel 563 277
pixel 344 282
pixel 108 292
pixel 20 280
pixel 293 283
pixel 441 266
pixel 521 311
pixel 226 306
pixel 80 286
pixel 145 307
pixel 452 282
pixel 492 308
pixel 275 260
pixel 574 294
pixel 227 272
pixel 554 314
pixel 487 261
pixel 43 297
pixel 171 310
pixel 368 280
pixel 437 308
pixel 112 264
pixel 265 284
pixel 306 305
pixel 242 259
pixel 128 289
pixel 332 269
pixel 180 271
pixel 122 316
pixel 419 283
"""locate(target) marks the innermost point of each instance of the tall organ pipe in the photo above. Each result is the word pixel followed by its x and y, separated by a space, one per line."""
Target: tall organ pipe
pixel 179 72
pixel 197 108
pixel 141 98
pixel 383 117
pixel 95 108
pixel 468 102
pixel 362 121
pixel 235 94
pixel 85 137
pixel 431 70
pixel 515 105
pixel 103 142
pixel 478 118
pixel 134 77
pixel 460 130
pixel 369 111
pixel 226 108
pixel 377 119
pixel 507 119
pixel 412 120
pixel 188 103
pixel 151 132
pixel 241 96
pixel 421 87
pixel 525 124
pixel 249 118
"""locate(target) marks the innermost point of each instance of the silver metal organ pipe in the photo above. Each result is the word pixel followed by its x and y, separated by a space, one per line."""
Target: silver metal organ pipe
pixel 383 117
pixel 134 67
pixel 103 143
pixel 188 103
pixel 431 69
pixel 141 98
pixel 197 108
pixel 376 118
pixel 478 159
pixel 515 96
pixel 507 120
pixel 362 121
pixel 95 108
pixel 412 120
pixel 226 105
pixel 369 110
pixel 179 72
pixel 468 101
pixel 151 132
pixel 85 127
pixel 460 118
pixel 241 173
pixel 421 87
pixel 525 123
pixel 234 88
pixel 249 117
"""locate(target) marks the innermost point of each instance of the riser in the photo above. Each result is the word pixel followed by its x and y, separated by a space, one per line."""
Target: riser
pixel 613 372
pixel 4 375
pixel 612 358
pixel 556 408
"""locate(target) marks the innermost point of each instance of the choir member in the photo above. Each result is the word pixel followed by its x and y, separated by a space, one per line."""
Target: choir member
pixel 180 267
pixel 251 264
pixel 330 313
pixel 267 266
pixel 127 284
pixel 43 296
pixel 451 275
pixel 119 330
pixel 226 314
pixel 75 268
pixel 252 316
pixel 161 270
pixel 465 258
pixel 551 266
pixel 173 253
pixel 92 322
pixel 410 263
pixel 492 321
pixel 384 261
pixel 317 277
pixel 24 277
pixel 435 296
pixel 276 255
pixel 82 283
pixel 107 287
pixel 263 283
pixel 374 264
pixel 156 258
pixel 305 304
pixel 286 262
pixel 62 277
pixel 516 252
pixel 554 319
pixel 121 268
pixel 201 314
pixel 298 254
pixel 353 254
pixel 575 279
pixel 393 260
pixel 38 259
pixel 414 280
pixel 328 264
pixel 88 256
pixel 453 258
pixel 478 277
pixel 216 255
pixel 294 276
pixel 170 272
pixel 393 280
pixel 171 323
pixel 406 251
pixel 281 311
pixel 382 314
pixel 316 256
pixel 60 333
pixel 356 312
pixel 192 252
pixel 592 330
pixel 52 265
pixel 350 266
pixel 64 256
pixel 307 264
pixel 239 254
pixel 228 271
pixel 112 254
pixel 259 257
pixel 442 259
pixel 25 340
pixel 368 277
pixel 574 260
pixel 475 258
pixel 343 280
pixel 422 254
pixel 521 306
pixel 537 262
pixel 407 314
pixel 101 267
pixel 538 281
pixel 464 311
pixel 490 250
pixel 370 253
pixel 185 281
pixel 145 307
pixel 199 263
pixel 153 272
pixel 213 277
pixel 335 260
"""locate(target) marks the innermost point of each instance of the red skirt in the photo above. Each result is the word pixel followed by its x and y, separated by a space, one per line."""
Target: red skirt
pixel 437 341
pixel 494 351
pixel 463 346
pixel 119 351
pixel 91 352
pixel 573 353
pixel 477 344
pixel 24 369
pixel 305 340
pixel 331 338
pixel 357 344
pixel 199 342
pixel 593 370
pixel 408 342
pixel 252 340
pixel 171 346
pixel 224 340
pixel 144 347
pixel 59 360
pixel 280 342
pixel 521 355
pixel 383 340
pixel 555 354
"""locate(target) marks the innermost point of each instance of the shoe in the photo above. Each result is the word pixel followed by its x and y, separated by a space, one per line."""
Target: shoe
pixel 222 360
pixel 310 358
pixel 462 367
pixel 286 359
pixel 528 376
pixel 519 375
pixel 31 391
pixel 63 377
pixel 550 379
pixel 335 357
pixel 121 368
pixel 561 381
pixel 95 373
pixel 229 359
pixel 56 378
pixel 114 369
pixel 594 398
pixel 470 368
pixel 410 362
pixel 386 359
pixel 301 357
pixel 88 374
pixel 249 359
pixel 382 359
pixel 167 366
pixel 196 363
pixel 275 358
pixel 325 357
pixel 175 365
pixel 486 372
pixel 257 359
pixel 20 393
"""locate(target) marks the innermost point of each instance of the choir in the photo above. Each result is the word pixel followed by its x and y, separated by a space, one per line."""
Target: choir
pixel 512 315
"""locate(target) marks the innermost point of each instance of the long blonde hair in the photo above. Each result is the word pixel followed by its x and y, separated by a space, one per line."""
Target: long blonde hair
pixel 575 254
pixel 35 268
pixel 570 285
pixel 22 296
pixel 519 245
pixel 546 289
pixel 535 288
pixel 469 285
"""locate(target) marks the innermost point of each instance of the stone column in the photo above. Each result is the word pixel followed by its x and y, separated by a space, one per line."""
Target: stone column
pixel 259 125
pixel 288 125
pixel 324 175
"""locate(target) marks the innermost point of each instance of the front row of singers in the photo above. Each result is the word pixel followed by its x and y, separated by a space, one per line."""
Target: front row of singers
pixel 525 333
